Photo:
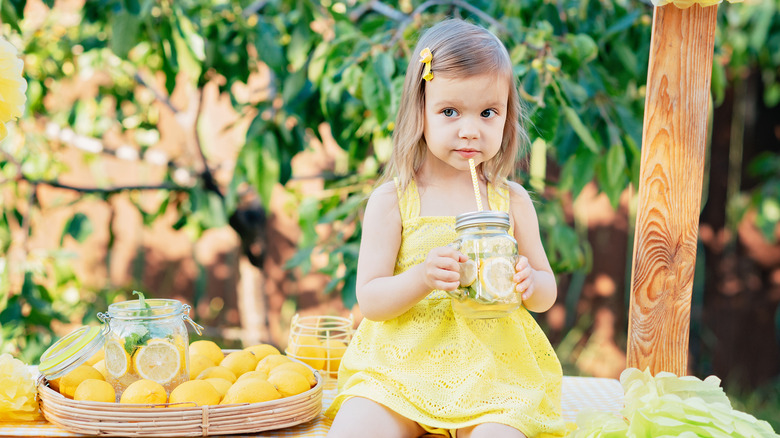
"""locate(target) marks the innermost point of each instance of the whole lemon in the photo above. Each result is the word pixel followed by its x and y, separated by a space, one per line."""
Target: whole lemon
pixel 221 385
pixel 308 349
pixel 95 390
pixel 335 351
pixel 262 350
pixel 71 381
pixel 101 367
pixel 298 368
pixel 239 362
pixel 144 391
pixel 209 349
pixel 197 392
pixel 289 382
pixel 100 355
pixel 217 371
pixel 250 391
pixel 270 362
pixel 253 375
pixel 198 363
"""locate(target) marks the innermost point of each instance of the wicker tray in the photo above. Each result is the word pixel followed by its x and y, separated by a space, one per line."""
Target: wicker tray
pixel 114 419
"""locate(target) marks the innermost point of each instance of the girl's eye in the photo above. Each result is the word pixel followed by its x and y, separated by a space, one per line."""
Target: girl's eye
pixel 488 113
pixel 449 112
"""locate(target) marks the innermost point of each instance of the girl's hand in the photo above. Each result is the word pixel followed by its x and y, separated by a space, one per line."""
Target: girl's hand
pixel 524 277
pixel 441 269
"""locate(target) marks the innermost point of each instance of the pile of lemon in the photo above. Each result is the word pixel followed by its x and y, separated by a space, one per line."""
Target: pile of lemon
pixel 255 374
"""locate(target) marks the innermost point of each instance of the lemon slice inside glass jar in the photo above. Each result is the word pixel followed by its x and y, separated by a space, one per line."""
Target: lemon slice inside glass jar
pixel 117 359
pixel 159 360
pixel 468 273
pixel 496 276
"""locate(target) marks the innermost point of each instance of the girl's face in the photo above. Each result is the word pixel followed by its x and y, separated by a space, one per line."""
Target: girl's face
pixel 464 118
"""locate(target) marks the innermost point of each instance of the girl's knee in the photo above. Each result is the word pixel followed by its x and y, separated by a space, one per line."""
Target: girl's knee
pixel 489 430
pixel 361 417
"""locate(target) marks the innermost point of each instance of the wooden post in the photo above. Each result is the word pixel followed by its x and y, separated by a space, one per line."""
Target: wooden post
pixel 670 182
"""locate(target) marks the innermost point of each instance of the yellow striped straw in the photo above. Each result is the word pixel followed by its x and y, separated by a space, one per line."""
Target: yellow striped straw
pixel 475 182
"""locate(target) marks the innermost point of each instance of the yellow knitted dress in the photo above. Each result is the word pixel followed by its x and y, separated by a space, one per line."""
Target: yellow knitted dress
pixel 445 371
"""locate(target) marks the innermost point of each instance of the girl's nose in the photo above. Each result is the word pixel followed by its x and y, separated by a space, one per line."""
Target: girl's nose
pixel 468 130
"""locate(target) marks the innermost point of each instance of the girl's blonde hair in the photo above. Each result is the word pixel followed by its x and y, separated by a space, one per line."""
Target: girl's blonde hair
pixel 461 49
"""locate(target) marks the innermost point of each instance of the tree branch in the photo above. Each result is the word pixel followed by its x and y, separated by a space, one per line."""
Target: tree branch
pixel 379 7
pixel 210 183
pixel 430 3
pixel 105 190
pixel 254 8
pixel 157 95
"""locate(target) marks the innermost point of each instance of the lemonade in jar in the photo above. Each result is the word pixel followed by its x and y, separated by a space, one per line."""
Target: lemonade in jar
pixel 487 289
pixel 147 339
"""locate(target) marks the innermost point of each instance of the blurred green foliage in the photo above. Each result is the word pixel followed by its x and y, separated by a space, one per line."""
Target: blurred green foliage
pixel 581 66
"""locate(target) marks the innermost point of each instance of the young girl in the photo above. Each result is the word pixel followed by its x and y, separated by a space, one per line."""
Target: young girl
pixel 414 366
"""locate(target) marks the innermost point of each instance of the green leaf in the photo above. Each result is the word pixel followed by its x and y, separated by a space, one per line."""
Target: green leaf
pixel 135 340
pixel 78 226
pixel 189 45
pixel 544 121
pixel 125 30
pixel 612 174
pixel 578 171
pixel 348 292
pixel 11 13
pixel 627 57
pixel 582 132
pixel 301 259
pixel 622 24
pixel 574 91
pixel 299 47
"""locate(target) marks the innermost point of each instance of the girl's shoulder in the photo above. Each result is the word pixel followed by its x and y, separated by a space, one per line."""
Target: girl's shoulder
pixel 387 189
pixel 517 192
pixel 519 198
pixel 385 196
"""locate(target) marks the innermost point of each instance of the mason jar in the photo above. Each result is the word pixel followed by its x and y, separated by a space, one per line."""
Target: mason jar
pixel 147 339
pixel 487 289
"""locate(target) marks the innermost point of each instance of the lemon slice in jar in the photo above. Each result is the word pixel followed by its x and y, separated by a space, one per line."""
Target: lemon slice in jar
pixel 497 275
pixel 468 273
pixel 117 360
pixel 158 360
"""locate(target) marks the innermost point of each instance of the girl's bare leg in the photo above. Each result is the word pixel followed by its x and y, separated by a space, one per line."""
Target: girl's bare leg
pixel 360 417
pixel 489 430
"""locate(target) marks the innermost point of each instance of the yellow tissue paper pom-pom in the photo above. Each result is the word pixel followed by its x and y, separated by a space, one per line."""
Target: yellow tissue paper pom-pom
pixel 12 85
pixel 17 391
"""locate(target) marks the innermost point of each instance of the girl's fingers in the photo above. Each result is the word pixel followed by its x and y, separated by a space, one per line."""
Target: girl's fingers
pixel 521 275
pixel 446 285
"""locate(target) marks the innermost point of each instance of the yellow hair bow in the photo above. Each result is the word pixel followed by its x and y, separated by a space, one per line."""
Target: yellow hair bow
pixel 425 57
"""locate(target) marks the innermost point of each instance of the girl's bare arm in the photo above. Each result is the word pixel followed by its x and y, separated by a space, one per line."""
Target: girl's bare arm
pixel 538 281
pixel 381 294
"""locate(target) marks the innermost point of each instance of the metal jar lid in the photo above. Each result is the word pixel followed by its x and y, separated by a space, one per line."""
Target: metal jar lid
pixel 489 218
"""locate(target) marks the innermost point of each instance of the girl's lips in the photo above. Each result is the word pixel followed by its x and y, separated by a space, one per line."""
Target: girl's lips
pixel 467 153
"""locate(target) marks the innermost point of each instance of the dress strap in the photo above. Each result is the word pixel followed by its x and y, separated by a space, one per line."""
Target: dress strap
pixel 408 200
pixel 498 197
pixel 499 200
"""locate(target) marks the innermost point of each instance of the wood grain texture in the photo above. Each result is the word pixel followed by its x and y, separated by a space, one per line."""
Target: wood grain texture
pixel 670 183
